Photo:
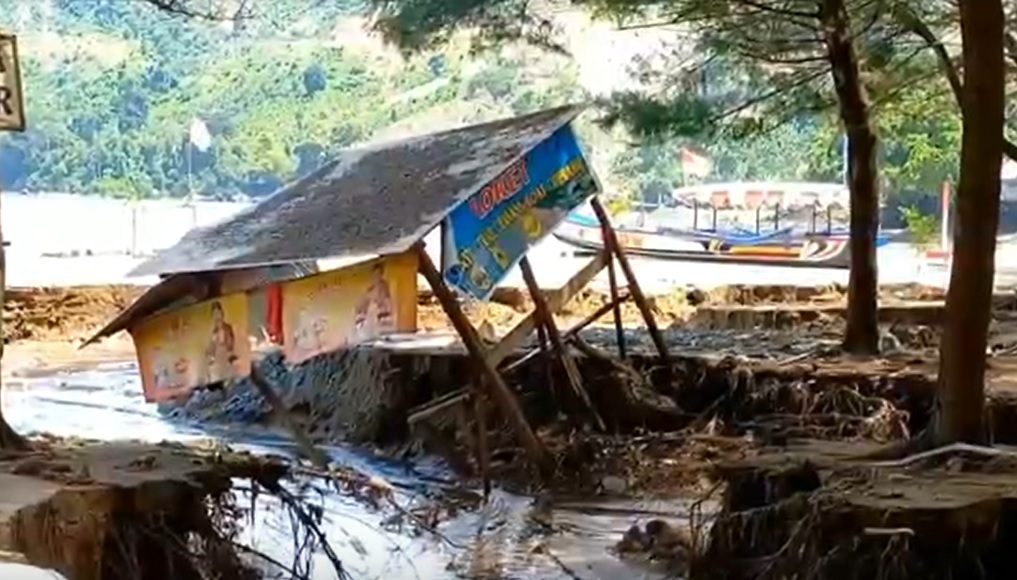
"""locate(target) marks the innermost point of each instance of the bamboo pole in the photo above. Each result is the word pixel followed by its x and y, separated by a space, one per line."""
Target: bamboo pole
pixel 633 284
pixel 612 278
pixel 571 332
pixel 545 361
pixel 487 374
pixel 555 300
pixel 561 351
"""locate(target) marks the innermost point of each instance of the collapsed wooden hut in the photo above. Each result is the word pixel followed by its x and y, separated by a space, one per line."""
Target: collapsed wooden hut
pixel 248 283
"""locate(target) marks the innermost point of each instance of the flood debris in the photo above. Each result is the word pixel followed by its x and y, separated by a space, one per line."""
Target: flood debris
pixel 121 510
pixel 727 394
pixel 128 511
pixel 493 190
pixel 817 507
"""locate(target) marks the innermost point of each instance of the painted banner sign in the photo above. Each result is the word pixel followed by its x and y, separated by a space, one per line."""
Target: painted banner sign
pixel 337 309
pixel 486 236
pixel 196 345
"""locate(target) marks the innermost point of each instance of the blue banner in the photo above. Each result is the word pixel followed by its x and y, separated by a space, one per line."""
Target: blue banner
pixel 487 235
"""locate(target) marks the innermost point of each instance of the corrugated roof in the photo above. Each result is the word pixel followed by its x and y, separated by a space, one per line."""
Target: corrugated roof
pixel 375 200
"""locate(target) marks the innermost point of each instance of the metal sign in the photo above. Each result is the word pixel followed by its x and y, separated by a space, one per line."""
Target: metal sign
pixel 488 235
pixel 12 110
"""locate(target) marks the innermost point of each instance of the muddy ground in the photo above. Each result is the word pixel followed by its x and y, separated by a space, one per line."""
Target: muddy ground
pixel 760 409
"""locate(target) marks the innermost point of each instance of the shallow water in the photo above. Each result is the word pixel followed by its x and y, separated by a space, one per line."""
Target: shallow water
pixel 105 403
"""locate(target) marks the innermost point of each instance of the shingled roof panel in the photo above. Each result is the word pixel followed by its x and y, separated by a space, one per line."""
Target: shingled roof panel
pixel 375 200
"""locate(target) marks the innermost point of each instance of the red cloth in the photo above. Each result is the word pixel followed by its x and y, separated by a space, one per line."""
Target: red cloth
pixel 273 313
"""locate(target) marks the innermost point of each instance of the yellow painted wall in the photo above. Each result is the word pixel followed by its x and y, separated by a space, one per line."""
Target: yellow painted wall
pixel 339 308
pixel 183 349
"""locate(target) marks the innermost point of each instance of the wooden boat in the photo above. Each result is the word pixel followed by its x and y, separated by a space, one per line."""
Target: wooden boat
pixel 812 252
pixel 738 235
pixel 770 202
pixel 811 246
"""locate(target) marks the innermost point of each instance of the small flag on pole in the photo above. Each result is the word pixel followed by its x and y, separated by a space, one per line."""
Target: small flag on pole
pixel 200 137
pixel 694 164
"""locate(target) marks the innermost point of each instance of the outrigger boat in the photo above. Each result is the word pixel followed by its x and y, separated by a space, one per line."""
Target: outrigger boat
pixel 787 246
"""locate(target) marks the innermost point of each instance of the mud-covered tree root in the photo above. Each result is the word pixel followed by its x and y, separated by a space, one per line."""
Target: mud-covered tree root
pixel 822 514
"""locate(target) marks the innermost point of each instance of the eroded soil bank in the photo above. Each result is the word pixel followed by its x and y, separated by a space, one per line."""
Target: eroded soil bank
pixel 820 509
pixel 757 371
pixel 74 313
pixel 94 511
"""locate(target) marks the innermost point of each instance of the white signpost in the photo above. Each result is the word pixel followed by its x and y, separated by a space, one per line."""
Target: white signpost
pixel 12 110
pixel 12 118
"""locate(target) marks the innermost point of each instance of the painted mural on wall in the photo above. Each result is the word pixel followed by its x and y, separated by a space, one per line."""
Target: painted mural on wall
pixel 197 345
pixel 488 235
pixel 340 308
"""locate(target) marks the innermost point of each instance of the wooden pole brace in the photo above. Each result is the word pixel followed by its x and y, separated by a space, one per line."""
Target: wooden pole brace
pixel 576 329
pixel 619 329
pixel 555 300
pixel 316 456
pixel 488 376
pixel 633 284
pixel 545 362
pixel 546 319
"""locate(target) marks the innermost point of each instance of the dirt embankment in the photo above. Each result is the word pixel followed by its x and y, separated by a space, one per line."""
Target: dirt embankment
pixel 74 313
pixel 105 511
pixel 788 506
pixel 64 314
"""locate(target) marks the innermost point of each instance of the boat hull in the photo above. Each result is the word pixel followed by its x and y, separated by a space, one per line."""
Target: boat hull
pixel 813 252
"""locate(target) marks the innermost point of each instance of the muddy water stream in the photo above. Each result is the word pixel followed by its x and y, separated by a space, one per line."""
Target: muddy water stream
pixel 494 541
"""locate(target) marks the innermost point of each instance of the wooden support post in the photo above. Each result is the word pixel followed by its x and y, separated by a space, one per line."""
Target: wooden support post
pixel 9 438
pixel 456 399
pixel 487 373
pixel 637 294
pixel 555 300
pixel 546 319
pixel 575 330
pixel 316 456
pixel 483 455
pixel 619 329
pixel 545 361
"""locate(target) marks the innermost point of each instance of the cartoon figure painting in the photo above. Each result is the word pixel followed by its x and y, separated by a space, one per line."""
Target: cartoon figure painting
pixel 171 371
pixel 340 308
pixel 373 314
pixel 220 353
pixel 166 372
pixel 309 336
pixel 197 345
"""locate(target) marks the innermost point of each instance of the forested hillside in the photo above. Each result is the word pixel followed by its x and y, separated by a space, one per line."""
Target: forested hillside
pixel 112 86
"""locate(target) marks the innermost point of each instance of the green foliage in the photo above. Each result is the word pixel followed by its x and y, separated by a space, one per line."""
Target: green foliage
pixel 749 82
pixel 111 88
pixel 922 227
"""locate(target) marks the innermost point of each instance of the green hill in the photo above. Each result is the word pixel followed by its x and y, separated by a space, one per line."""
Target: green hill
pixel 111 88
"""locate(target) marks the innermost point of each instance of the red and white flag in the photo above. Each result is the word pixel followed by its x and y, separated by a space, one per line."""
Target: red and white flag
pixel 694 164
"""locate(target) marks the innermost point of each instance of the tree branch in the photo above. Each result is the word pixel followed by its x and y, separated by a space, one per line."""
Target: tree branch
pixel 1010 42
pixel 911 21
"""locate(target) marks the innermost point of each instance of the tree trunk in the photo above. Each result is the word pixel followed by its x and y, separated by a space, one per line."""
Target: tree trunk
pixel 961 395
pixel 9 439
pixel 862 334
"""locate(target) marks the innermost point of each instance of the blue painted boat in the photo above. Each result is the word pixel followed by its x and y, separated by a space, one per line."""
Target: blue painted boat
pixel 737 236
